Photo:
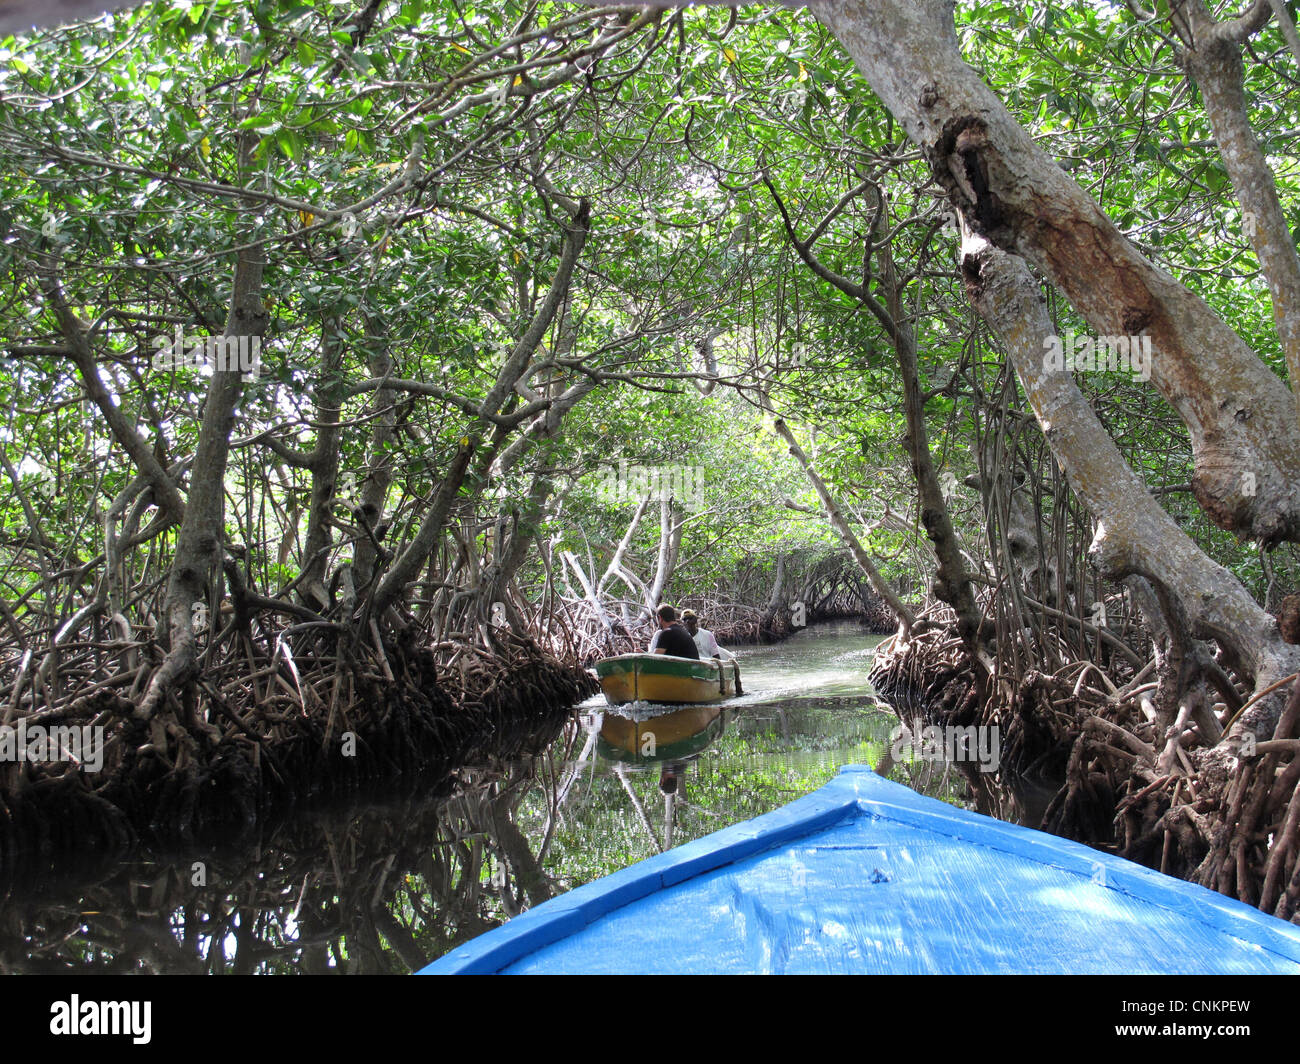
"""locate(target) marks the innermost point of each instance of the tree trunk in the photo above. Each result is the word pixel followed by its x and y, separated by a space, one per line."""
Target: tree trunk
pixel 841 525
pixel 778 590
pixel 407 564
pixel 1213 60
pixel 199 542
pixel 1135 536
pixel 670 541
pixel 1240 415
pixel 324 465
pixel 952 583
pixel 379 461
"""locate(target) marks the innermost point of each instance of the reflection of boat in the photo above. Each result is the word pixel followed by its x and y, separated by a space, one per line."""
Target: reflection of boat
pixel 666 737
pixel 865 875
pixel 666 679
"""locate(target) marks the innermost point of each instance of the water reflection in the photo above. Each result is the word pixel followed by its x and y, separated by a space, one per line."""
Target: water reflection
pixel 669 737
pixel 388 887
pixel 379 890
pixel 654 734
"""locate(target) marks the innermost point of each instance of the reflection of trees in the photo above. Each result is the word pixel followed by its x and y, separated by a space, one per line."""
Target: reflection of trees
pixel 380 890
pixel 390 887
pixel 1012 799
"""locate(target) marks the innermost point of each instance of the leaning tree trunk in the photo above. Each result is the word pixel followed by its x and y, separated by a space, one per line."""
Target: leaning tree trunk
pixel 407 564
pixel 501 570
pixel 542 435
pixel 616 568
pixel 841 525
pixel 952 583
pixel 1213 59
pixel 1134 533
pixel 1240 416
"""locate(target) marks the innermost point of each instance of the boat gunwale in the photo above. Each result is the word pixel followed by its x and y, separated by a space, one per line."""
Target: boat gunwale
pixel 712 665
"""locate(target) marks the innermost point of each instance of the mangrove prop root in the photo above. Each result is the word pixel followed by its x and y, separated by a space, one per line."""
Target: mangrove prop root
pixel 230 748
pixel 1222 816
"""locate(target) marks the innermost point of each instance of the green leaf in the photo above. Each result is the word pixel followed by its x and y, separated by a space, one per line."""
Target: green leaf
pixel 265 120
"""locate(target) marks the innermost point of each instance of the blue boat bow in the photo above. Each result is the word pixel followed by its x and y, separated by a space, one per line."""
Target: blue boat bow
pixel 866 876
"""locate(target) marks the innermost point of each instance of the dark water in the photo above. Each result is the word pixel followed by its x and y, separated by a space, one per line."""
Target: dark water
pixel 389 887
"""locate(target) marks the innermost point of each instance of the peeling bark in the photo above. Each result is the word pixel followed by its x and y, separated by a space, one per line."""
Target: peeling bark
pixel 1240 416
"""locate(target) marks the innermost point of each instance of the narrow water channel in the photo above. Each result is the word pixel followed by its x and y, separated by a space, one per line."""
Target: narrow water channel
pixel 387 887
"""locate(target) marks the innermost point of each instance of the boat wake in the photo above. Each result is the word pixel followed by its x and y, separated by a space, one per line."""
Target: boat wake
pixel 639 711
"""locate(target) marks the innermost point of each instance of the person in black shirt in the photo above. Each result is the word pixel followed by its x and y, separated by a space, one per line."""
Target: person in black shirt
pixel 672 638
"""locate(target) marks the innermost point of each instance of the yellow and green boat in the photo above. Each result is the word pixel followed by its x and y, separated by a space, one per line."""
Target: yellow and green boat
pixel 665 679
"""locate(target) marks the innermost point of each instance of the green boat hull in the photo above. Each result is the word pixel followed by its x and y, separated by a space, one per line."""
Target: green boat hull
pixel 664 679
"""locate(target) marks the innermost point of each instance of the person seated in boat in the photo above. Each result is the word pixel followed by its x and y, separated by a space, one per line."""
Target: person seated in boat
pixel 704 640
pixel 707 644
pixel 672 638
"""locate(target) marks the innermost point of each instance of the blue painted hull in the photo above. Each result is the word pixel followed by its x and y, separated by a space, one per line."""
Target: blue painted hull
pixel 866 876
